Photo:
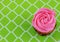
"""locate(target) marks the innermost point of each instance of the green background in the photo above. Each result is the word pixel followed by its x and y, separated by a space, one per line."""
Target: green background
pixel 16 17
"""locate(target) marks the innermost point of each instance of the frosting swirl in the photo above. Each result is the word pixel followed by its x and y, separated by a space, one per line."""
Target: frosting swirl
pixel 44 20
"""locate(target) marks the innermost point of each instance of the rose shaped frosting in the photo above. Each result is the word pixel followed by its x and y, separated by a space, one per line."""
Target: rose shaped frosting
pixel 44 20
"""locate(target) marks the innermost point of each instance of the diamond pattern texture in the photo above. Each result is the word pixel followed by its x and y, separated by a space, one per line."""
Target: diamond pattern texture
pixel 16 20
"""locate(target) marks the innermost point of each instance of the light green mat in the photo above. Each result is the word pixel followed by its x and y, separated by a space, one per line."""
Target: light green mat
pixel 16 17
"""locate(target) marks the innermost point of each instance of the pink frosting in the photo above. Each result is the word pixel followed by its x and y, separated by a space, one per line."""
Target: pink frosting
pixel 44 20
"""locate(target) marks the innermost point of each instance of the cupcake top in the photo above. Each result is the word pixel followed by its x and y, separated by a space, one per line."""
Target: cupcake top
pixel 44 20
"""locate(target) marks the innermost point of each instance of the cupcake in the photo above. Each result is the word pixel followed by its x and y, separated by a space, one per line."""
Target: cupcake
pixel 44 21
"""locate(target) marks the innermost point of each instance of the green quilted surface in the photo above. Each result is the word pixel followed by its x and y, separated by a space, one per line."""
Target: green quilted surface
pixel 16 17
